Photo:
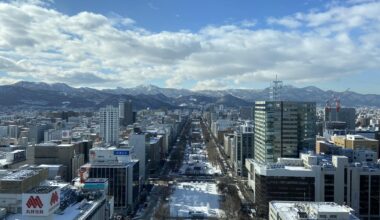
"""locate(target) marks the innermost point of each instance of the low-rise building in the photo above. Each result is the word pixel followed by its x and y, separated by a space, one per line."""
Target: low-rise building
pixel 320 178
pixel 356 142
pixel 287 210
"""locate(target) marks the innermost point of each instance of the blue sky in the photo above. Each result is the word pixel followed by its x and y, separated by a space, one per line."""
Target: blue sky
pixel 175 15
pixel 197 44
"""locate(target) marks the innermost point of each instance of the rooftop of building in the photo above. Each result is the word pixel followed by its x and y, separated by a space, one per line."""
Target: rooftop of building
pixel 312 210
pixel 308 160
pixel 20 174
pixel 96 180
pixel 65 145
pixel 49 144
pixel 42 189
pixel 70 208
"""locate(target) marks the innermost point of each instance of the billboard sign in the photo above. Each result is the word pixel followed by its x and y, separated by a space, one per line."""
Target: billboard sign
pixel 40 204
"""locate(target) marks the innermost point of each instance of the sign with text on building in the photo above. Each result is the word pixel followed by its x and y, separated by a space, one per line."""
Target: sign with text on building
pixel 66 134
pixel 121 152
pixel 40 204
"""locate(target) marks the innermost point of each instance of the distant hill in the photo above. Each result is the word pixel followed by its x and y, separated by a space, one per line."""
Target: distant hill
pixel 43 95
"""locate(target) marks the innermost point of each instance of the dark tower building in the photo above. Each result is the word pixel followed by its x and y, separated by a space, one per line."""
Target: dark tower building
pixel 126 113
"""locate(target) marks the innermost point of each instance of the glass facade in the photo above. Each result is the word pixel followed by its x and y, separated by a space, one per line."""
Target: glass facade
pixel 282 189
pixel 283 129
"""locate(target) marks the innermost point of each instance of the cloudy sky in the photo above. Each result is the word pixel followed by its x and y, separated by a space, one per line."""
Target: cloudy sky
pixel 198 44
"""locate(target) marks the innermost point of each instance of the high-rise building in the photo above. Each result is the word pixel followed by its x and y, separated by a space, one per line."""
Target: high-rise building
pixel 36 133
pixel 283 129
pixel 13 131
pixel 141 142
pixel 243 148
pixel 122 172
pixel 347 115
pixel 109 124
pixel 126 113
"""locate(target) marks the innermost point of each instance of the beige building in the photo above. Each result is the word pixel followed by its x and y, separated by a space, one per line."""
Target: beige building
pixel 356 142
pixel 65 154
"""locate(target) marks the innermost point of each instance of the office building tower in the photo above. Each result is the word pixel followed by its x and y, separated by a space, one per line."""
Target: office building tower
pixel 243 148
pixel 347 115
pixel 126 113
pixel 13 131
pixel 122 172
pixel 3 131
pixel 141 142
pixel 283 129
pixel 109 125
pixel 36 133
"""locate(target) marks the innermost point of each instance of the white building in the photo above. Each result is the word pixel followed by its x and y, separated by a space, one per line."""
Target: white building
pixel 221 125
pixel 317 178
pixel 284 210
pixel 122 171
pixel 109 124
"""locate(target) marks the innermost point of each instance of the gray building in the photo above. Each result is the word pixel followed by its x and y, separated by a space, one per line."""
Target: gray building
pixel 141 143
pixel 243 148
pixel 347 115
pixel 283 129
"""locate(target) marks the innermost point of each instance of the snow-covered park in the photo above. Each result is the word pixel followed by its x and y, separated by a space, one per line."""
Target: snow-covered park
pixel 196 161
pixel 195 199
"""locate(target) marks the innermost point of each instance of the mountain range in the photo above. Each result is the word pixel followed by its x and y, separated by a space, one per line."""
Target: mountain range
pixel 59 95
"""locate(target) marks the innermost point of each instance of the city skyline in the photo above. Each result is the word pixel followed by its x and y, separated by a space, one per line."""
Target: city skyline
pixel 331 45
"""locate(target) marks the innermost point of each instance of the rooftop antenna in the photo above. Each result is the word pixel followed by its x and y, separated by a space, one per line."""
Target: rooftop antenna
pixel 275 87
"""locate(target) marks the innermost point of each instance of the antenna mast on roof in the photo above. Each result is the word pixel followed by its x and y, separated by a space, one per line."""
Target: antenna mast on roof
pixel 275 87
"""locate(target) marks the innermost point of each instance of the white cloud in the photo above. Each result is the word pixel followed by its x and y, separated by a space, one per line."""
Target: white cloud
pixel 89 49
pixel 210 85
pixel 248 23
pixel 7 81
pixel 289 22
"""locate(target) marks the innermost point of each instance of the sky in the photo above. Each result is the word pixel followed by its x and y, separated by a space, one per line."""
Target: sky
pixel 197 44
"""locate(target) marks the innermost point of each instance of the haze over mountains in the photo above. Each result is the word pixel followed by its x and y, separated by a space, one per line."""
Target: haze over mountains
pixel 58 95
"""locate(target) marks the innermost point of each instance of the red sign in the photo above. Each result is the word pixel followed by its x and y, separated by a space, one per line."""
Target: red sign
pixel 54 198
pixel 34 202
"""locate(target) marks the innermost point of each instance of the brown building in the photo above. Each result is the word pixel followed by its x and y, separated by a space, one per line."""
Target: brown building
pixel 65 154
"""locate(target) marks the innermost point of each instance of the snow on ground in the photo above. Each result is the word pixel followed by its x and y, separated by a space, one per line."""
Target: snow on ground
pixel 195 199
pixel 196 161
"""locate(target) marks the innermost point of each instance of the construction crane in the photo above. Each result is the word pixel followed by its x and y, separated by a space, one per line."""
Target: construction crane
pixel 328 108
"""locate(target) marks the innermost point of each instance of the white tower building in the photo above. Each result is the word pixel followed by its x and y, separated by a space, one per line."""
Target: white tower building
pixel 109 124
